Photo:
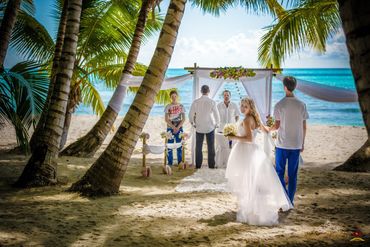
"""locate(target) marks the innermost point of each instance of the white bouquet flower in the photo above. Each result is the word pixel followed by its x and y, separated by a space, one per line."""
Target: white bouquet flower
pixel 168 135
pixel 230 130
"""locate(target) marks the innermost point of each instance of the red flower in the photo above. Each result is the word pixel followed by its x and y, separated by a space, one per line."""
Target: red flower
pixel 357 234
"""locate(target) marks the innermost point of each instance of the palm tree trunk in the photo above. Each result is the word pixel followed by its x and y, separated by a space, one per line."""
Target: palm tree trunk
pixel 87 145
pixel 105 175
pixel 57 54
pixel 67 123
pixel 41 168
pixel 356 24
pixel 7 24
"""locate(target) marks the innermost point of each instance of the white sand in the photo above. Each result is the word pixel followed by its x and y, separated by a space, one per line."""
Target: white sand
pixel 148 212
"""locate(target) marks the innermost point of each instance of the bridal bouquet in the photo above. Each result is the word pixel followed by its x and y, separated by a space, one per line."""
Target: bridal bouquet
pixel 270 121
pixel 230 130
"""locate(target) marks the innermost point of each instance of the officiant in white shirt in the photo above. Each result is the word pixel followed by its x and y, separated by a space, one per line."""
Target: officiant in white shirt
pixel 229 114
pixel 229 111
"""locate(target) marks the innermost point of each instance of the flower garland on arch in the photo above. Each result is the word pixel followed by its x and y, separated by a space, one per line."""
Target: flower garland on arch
pixel 231 73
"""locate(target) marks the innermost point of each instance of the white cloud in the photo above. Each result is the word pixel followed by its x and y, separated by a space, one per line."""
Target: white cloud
pixel 241 50
pixel 336 55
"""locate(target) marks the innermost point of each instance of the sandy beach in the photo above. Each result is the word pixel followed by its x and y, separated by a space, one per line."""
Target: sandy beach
pixel 329 206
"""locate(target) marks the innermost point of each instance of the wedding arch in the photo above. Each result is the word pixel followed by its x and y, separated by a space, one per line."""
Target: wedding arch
pixel 258 87
pixel 257 84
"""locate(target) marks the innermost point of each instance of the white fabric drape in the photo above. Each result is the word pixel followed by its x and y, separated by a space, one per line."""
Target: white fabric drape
pixel 157 149
pixel 324 92
pixel 134 81
pixel 259 89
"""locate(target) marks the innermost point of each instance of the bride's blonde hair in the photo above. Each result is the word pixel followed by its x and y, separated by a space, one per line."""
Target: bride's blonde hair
pixel 253 111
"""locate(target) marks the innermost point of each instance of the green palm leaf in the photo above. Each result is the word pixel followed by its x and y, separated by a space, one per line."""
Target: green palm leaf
pixel 31 40
pixel 90 96
pixel 309 25
pixel 163 96
pixel 108 66
pixel 215 7
pixel 23 92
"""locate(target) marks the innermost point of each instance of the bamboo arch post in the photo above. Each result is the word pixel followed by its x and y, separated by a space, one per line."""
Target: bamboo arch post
pixel 145 171
pixel 166 169
pixel 183 164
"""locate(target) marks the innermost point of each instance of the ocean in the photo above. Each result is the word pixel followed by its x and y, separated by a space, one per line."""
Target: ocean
pixel 321 112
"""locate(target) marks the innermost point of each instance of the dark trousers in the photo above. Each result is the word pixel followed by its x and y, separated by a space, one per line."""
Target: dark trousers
pixel 210 137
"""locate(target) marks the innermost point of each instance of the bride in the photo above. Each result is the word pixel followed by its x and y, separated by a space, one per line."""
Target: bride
pixel 251 175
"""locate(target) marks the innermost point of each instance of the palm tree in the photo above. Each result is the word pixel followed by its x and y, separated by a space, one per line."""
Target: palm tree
pixel 57 53
pixel 311 23
pixel 90 143
pixel 105 175
pixel 24 85
pixel 41 168
pixel 7 24
pixel 23 89
pixel 105 33
pixel 355 22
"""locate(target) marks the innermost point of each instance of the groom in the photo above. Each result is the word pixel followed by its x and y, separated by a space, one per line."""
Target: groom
pixel 205 118
pixel 290 120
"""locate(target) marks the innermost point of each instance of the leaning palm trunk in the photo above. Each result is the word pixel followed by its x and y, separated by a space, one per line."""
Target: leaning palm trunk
pixel 67 122
pixel 356 22
pixel 7 24
pixel 105 175
pixel 57 54
pixel 41 168
pixel 87 145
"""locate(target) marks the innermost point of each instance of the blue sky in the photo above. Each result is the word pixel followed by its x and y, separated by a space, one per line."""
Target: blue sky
pixel 231 39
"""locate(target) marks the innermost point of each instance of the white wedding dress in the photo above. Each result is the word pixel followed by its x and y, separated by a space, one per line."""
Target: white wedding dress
pixel 252 178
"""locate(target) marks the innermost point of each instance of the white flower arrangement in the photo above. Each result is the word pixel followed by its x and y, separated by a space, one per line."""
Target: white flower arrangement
pixel 167 135
pixel 144 135
pixel 184 136
pixel 230 130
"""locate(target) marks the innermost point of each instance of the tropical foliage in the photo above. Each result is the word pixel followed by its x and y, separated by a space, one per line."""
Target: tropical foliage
pixel 23 89
pixel 105 35
pixel 310 23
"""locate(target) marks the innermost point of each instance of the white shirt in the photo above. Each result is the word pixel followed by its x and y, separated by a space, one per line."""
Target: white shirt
pixel 204 114
pixel 291 112
pixel 227 113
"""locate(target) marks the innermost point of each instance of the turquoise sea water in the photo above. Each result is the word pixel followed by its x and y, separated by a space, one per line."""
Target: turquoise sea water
pixel 321 112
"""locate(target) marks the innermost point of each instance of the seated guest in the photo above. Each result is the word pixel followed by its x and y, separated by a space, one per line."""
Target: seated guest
pixel 175 117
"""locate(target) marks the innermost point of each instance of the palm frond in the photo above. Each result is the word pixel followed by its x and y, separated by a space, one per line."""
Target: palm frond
pixel 90 96
pixel 306 26
pixel 270 7
pixel 108 67
pixel 215 7
pixel 28 7
pixel 34 77
pixel 163 96
pixel 110 26
pixel 275 8
pixel 23 92
pixel 31 40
